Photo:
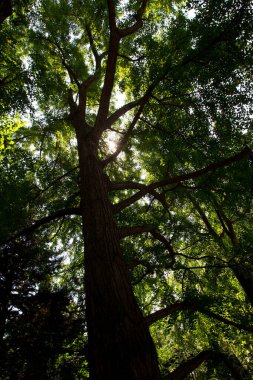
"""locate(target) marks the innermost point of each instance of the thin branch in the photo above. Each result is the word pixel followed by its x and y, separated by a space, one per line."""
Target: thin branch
pixel 246 152
pixel 93 47
pixel 147 272
pixel 58 179
pixel 201 257
pixel 72 75
pixel 193 307
pixel 136 230
pixel 56 215
pixel 135 185
pixel 131 59
pixel 123 142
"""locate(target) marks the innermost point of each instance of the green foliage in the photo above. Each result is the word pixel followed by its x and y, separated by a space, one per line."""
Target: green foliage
pixel 199 56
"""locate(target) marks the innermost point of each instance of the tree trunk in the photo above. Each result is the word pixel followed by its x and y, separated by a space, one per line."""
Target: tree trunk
pixel 120 346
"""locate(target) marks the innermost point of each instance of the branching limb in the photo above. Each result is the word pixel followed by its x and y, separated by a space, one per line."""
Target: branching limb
pixel 56 215
pixel 113 50
pixel 231 361
pixel 58 179
pixel 135 185
pixel 93 47
pixel 191 306
pixel 139 21
pixel 136 230
pixel 246 152
pixel 121 112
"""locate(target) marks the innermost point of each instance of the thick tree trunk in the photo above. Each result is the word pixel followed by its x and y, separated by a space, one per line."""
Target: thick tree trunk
pixel 120 346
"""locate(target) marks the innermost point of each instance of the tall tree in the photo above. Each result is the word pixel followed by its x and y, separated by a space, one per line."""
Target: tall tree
pixel 184 72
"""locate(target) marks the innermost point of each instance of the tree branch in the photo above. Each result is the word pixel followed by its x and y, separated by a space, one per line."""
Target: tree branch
pixel 139 22
pixel 106 93
pixel 231 361
pixel 246 152
pixel 191 306
pixel 135 185
pixel 136 230
pixel 93 47
pixel 121 111
pixel 72 75
pixel 56 215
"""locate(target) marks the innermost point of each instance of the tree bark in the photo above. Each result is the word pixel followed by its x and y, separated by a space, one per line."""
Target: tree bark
pixel 120 345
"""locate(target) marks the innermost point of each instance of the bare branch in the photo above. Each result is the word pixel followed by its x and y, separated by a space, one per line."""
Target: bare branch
pixel 58 179
pixel 136 230
pixel 128 231
pixel 131 59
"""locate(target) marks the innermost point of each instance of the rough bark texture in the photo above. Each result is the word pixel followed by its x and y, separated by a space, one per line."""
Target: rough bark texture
pixel 120 346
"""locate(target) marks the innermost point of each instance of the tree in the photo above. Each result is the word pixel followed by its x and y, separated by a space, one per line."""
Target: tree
pixel 186 86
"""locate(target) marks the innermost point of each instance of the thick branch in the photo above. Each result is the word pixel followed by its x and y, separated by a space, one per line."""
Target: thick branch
pixel 231 361
pixel 165 312
pixel 121 112
pixel 139 22
pixel 179 306
pixel 106 94
pixel 247 152
pixel 56 215
pixel 112 15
